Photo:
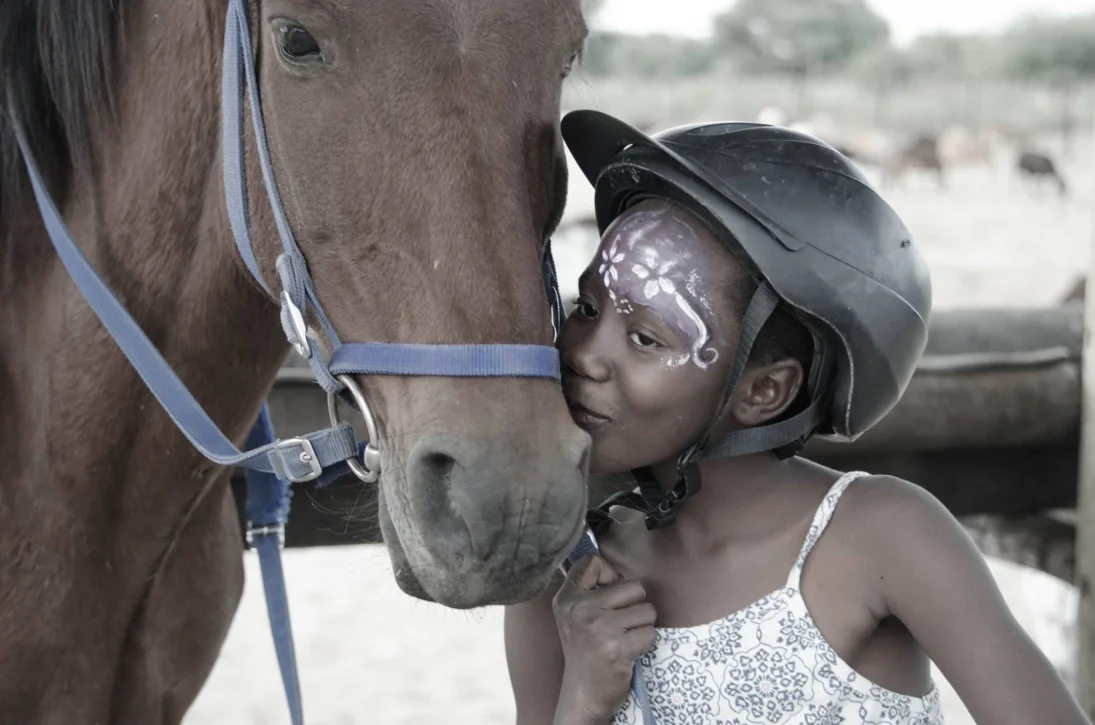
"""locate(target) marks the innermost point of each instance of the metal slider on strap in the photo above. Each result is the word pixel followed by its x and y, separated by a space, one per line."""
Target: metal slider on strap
pixel 299 337
pixel 266 530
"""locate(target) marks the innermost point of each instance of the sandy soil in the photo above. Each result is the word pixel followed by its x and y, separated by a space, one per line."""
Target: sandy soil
pixel 430 664
pixel 369 654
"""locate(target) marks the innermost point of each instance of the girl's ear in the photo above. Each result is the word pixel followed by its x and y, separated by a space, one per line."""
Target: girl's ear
pixel 766 392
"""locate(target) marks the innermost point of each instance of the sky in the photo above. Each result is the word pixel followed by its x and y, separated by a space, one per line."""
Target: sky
pixel 907 18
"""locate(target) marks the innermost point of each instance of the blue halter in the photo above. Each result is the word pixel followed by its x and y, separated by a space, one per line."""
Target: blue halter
pixel 271 464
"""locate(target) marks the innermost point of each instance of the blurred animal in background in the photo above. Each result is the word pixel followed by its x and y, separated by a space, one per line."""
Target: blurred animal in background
pixel 921 154
pixel 1037 169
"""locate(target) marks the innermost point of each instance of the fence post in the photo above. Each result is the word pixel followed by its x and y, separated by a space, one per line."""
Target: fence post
pixel 1085 506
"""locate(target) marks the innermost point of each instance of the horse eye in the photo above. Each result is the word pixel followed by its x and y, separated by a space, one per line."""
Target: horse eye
pixel 572 60
pixel 297 43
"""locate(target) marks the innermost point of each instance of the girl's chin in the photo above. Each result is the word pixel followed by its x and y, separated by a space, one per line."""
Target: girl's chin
pixel 608 468
pixel 607 458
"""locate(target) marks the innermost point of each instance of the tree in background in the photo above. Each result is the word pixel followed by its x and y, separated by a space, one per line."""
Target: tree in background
pixel 797 38
pixel 937 80
pixel 967 59
pixel 882 69
pixel 1059 52
pixel 950 55
pixel 1052 48
pixel 646 56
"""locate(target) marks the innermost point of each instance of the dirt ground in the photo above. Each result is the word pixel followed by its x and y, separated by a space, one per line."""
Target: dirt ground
pixel 988 243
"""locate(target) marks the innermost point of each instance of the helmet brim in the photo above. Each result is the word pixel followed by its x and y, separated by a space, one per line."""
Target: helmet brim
pixel 595 139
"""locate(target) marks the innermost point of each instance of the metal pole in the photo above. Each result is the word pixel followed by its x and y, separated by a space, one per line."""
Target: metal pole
pixel 1085 507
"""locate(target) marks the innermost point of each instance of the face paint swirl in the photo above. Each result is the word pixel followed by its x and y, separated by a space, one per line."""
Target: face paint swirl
pixel 650 259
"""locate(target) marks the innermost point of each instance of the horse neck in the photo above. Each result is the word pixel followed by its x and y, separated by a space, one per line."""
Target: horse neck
pixel 151 219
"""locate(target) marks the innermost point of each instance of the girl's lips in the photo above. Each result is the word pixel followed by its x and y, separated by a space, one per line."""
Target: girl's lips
pixel 586 418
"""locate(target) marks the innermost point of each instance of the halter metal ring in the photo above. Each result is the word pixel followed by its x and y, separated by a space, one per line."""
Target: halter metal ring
pixel 367 470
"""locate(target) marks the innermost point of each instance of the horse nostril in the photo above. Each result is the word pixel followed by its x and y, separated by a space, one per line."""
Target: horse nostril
pixel 461 512
pixel 465 498
pixel 436 468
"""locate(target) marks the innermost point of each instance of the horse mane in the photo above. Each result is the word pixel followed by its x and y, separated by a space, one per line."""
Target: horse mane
pixel 56 69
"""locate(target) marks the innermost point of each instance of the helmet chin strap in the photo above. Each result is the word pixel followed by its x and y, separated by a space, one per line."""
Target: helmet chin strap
pixel 784 438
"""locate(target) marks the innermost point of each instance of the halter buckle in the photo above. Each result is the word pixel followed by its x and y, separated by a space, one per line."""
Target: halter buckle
pixel 307 456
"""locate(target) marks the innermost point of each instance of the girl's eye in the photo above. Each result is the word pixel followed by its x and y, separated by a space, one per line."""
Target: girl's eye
pixel 585 308
pixel 642 340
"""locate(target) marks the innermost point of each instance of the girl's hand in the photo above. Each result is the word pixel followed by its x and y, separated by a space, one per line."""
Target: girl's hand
pixel 603 631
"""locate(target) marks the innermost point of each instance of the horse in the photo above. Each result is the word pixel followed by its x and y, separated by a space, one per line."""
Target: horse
pixel 920 153
pixel 1035 167
pixel 416 149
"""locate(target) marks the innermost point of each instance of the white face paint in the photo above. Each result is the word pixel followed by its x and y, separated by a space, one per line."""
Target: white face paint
pixel 652 258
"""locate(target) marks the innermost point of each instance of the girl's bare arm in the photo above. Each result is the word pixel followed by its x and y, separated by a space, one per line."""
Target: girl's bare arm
pixel 932 577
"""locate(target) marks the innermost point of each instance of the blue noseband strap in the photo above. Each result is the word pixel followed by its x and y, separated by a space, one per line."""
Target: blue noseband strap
pixel 470 361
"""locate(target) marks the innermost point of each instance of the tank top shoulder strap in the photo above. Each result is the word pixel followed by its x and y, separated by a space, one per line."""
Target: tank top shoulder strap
pixel 821 520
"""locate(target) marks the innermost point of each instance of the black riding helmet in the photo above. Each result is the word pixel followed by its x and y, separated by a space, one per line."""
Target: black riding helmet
pixel 815 235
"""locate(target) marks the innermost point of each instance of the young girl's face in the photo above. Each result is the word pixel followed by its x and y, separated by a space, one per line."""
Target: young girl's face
pixel 647 351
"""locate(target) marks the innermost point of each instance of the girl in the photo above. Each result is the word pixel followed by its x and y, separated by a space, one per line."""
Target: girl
pixel 751 290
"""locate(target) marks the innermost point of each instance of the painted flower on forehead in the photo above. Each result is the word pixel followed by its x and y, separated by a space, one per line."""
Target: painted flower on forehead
pixel 610 274
pixel 654 272
pixel 656 279
pixel 609 259
pixel 650 259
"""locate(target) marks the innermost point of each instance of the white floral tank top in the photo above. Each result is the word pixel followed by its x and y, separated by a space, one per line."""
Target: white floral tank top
pixel 768 664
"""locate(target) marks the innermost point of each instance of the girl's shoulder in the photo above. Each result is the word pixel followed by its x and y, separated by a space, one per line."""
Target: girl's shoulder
pixel 863 497
pixel 888 524
pixel 880 502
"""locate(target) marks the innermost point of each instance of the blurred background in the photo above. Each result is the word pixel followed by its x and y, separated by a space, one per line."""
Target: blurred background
pixel 976 122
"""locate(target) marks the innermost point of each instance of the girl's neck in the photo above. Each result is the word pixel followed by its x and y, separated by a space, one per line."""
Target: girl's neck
pixel 739 498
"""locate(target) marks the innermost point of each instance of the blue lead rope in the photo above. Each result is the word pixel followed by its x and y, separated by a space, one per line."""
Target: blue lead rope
pixel 268 498
pixel 588 545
